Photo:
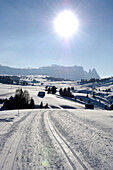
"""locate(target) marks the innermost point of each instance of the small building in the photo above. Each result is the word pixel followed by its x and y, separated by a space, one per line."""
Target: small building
pixel 89 106
pixel 41 93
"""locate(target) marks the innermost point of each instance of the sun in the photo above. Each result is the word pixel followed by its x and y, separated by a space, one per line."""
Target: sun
pixel 66 24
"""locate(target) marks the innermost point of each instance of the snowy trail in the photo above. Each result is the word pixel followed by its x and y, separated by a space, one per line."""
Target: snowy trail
pixel 91 140
pixel 28 145
pixel 56 139
pixel 72 158
pixel 11 142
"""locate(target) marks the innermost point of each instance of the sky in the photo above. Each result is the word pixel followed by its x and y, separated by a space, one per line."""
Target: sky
pixel 28 37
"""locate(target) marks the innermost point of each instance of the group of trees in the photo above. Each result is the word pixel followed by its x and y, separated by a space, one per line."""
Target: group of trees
pixel 56 79
pixel 21 100
pixel 12 80
pixel 93 80
pixel 6 80
pixel 9 79
pixel 43 107
pixel 66 92
pixel 51 90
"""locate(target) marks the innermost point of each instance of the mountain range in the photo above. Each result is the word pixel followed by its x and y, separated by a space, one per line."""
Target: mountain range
pixel 65 72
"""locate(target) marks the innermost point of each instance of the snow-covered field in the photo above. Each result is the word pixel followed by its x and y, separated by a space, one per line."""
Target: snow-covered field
pixel 58 138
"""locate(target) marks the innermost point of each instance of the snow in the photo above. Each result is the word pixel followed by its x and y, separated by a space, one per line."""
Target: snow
pixel 89 133
pixel 58 138
pixel 37 138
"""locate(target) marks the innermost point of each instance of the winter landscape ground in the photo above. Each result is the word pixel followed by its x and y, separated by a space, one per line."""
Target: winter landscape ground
pixel 65 136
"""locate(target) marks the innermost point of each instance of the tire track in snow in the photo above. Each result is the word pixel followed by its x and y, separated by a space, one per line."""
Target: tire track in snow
pixel 9 152
pixel 73 159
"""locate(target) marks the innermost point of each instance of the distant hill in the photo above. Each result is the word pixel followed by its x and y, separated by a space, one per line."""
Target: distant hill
pixel 66 72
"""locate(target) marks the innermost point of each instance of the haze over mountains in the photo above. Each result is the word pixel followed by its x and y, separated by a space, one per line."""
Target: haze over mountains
pixel 66 72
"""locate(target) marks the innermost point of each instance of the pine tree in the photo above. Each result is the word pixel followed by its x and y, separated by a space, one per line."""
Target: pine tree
pixel 46 106
pixel 60 91
pixel 53 90
pixel 41 105
pixel 49 90
pixel 32 104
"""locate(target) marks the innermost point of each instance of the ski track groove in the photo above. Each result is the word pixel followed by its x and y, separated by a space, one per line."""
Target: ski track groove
pixel 35 155
pixel 52 152
pixel 15 140
pixel 101 137
pixel 3 127
pixel 29 154
pixel 30 139
pixel 28 123
pixel 11 131
pixel 65 147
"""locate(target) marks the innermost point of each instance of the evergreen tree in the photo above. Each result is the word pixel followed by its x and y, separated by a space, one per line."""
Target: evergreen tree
pixel 60 91
pixel 32 104
pixel 53 90
pixel 46 106
pixel 68 89
pixel 106 107
pixel 6 104
pixel 41 105
pixel 49 90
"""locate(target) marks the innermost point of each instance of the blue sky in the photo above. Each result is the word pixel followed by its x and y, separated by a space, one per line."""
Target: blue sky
pixel 28 38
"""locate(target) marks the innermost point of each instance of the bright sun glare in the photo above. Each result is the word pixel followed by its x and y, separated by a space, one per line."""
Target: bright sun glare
pixel 66 24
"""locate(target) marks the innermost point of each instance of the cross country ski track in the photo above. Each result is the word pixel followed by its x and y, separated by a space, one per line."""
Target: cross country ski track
pixel 46 139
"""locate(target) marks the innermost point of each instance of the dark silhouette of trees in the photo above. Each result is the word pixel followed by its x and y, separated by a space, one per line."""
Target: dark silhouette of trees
pixel 21 100
pixel 111 107
pixel 46 88
pixel 72 88
pixel 32 104
pixel 6 104
pixel 6 80
pixel 106 107
pixel 51 90
pixel 60 91
pixel 41 105
pixel 46 106
pixel 66 92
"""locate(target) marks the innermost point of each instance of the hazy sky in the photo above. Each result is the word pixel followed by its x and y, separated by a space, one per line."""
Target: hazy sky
pixel 28 37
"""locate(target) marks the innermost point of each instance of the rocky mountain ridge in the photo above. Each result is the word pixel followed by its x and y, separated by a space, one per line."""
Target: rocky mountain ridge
pixel 66 72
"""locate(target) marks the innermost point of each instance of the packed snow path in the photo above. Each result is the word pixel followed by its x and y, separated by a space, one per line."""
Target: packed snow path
pixel 56 139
